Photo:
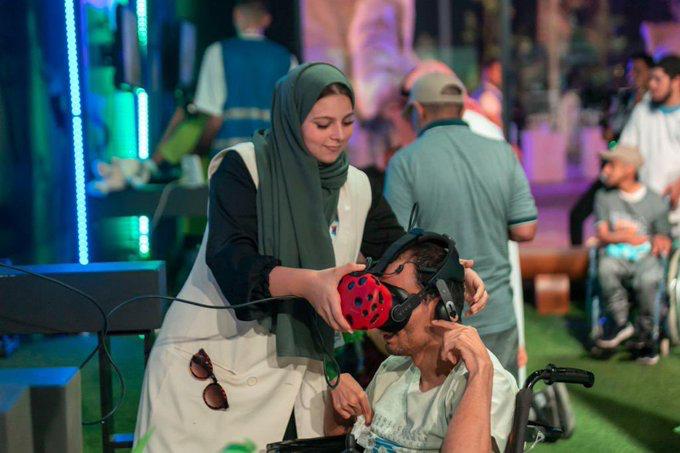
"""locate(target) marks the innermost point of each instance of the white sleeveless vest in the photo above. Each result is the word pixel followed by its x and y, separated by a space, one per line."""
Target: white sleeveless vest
pixel 262 389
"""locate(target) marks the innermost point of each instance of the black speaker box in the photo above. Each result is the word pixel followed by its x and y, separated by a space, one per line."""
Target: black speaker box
pixel 32 305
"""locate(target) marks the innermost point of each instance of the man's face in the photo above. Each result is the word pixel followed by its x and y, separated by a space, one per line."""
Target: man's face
pixel 638 74
pixel 416 335
pixel 494 74
pixel 616 171
pixel 660 85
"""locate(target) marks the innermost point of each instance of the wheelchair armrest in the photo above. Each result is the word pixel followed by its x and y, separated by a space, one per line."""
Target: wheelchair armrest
pixel 572 376
pixel 552 374
pixel 330 443
pixel 519 421
pixel 551 433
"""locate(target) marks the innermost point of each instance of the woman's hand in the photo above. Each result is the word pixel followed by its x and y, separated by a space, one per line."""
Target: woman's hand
pixel 350 400
pixel 475 290
pixel 321 290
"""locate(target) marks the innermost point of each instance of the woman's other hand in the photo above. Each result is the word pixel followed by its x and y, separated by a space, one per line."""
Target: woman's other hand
pixel 475 292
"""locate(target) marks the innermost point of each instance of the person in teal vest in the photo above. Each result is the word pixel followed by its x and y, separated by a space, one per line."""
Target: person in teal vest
pixel 237 78
pixel 235 85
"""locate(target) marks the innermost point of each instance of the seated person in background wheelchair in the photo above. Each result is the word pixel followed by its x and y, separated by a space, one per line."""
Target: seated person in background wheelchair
pixel 633 231
pixel 441 389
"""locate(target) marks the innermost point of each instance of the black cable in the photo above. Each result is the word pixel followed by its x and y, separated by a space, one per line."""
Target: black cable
pixel 102 346
pixel 65 285
pixel 413 218
pixel 105 330
pixel 123 387
pixel 197 304
pixel 327 355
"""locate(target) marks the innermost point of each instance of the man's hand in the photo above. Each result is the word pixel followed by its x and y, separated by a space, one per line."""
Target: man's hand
pixel 673 192
pixel 661 245
pixel 475 289
pixel 636 239
pixel 350 400
pixel 522 357
pixel 463 343
pixel 470 427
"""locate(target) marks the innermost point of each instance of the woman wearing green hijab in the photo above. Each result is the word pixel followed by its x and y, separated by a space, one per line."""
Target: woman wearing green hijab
pixel 287 215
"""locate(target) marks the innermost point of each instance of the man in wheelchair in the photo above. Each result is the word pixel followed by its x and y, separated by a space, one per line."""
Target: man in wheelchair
pixel 441 389
pixel 633 231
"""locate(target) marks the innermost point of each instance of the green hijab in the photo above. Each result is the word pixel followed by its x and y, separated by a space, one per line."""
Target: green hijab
pixel 297 199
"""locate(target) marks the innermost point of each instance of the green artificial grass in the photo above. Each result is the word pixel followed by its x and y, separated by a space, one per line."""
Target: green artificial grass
pixel 38 351
pixel 631 408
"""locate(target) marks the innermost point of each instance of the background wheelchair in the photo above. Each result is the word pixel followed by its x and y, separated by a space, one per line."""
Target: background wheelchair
pixel 666 310
pixel 523 430
pixel 673 292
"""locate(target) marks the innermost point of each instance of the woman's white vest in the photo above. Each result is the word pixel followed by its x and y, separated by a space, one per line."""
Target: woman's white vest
pixel 262 389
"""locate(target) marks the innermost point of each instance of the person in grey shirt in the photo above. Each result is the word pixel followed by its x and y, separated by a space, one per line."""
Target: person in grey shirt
pixel 471 188
pixel 633 230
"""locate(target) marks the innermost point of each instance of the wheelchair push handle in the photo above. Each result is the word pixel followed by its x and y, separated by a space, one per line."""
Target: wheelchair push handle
pixel 553 374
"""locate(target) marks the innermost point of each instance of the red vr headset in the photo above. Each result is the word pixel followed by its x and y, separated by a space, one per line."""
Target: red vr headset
pixel 367 303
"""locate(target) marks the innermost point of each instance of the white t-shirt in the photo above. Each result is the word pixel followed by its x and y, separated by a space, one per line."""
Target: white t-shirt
pixel 211 89
pixel 656 132
pixel 481 125
pixel 407 419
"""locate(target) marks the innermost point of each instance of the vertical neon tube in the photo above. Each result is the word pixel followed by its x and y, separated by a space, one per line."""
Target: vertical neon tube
pixel 77 130
pixel 142 19
pixel 142 124
pixel 143 121
pixel 144 239
pixel 142 96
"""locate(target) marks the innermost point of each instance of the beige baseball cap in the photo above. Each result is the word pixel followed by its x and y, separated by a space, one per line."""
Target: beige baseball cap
pixel 429 88
pixel 624 153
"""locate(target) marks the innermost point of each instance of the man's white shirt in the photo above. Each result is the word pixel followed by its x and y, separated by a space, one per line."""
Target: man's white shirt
pixel 656 132
pixel 407 419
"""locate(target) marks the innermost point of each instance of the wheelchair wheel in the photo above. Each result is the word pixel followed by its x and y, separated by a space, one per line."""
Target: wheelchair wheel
pixel 593 309
pixel 673 281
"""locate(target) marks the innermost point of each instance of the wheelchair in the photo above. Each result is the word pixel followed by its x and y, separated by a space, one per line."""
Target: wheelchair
pixel 666 308
pixel 673 292
pixel 523 430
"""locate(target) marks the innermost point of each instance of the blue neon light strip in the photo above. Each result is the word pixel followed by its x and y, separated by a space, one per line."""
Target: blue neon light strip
pixel 142 124
pixel 144 244
pixel 142 96
pixel 142 30
pixel 77 125
pixel 143 121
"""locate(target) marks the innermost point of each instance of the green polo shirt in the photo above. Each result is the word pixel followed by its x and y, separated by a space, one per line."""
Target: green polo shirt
pixel 473 189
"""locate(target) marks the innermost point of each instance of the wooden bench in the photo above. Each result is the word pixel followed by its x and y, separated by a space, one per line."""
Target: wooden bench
pixel 571 261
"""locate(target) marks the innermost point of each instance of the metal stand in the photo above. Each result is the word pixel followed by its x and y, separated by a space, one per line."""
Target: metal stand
pixel 110 440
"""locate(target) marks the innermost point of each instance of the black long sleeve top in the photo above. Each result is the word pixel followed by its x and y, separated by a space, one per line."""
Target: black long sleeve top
pixel 241 272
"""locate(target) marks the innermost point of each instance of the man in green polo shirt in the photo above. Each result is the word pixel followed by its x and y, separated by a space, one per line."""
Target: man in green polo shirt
pixel 471 188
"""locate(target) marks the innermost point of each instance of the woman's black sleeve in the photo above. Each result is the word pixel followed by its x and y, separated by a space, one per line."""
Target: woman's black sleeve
pixel 382 227
pixel 232 250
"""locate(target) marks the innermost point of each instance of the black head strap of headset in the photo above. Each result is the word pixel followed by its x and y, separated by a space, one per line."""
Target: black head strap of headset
pixel 450 268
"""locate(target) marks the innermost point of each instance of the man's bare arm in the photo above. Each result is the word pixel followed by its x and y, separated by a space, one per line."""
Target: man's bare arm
pixel 470 427
pixel 606 236
pixel 210 129
pixel 524 232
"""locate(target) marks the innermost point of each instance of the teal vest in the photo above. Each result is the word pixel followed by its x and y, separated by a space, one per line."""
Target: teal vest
pixel 251 69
